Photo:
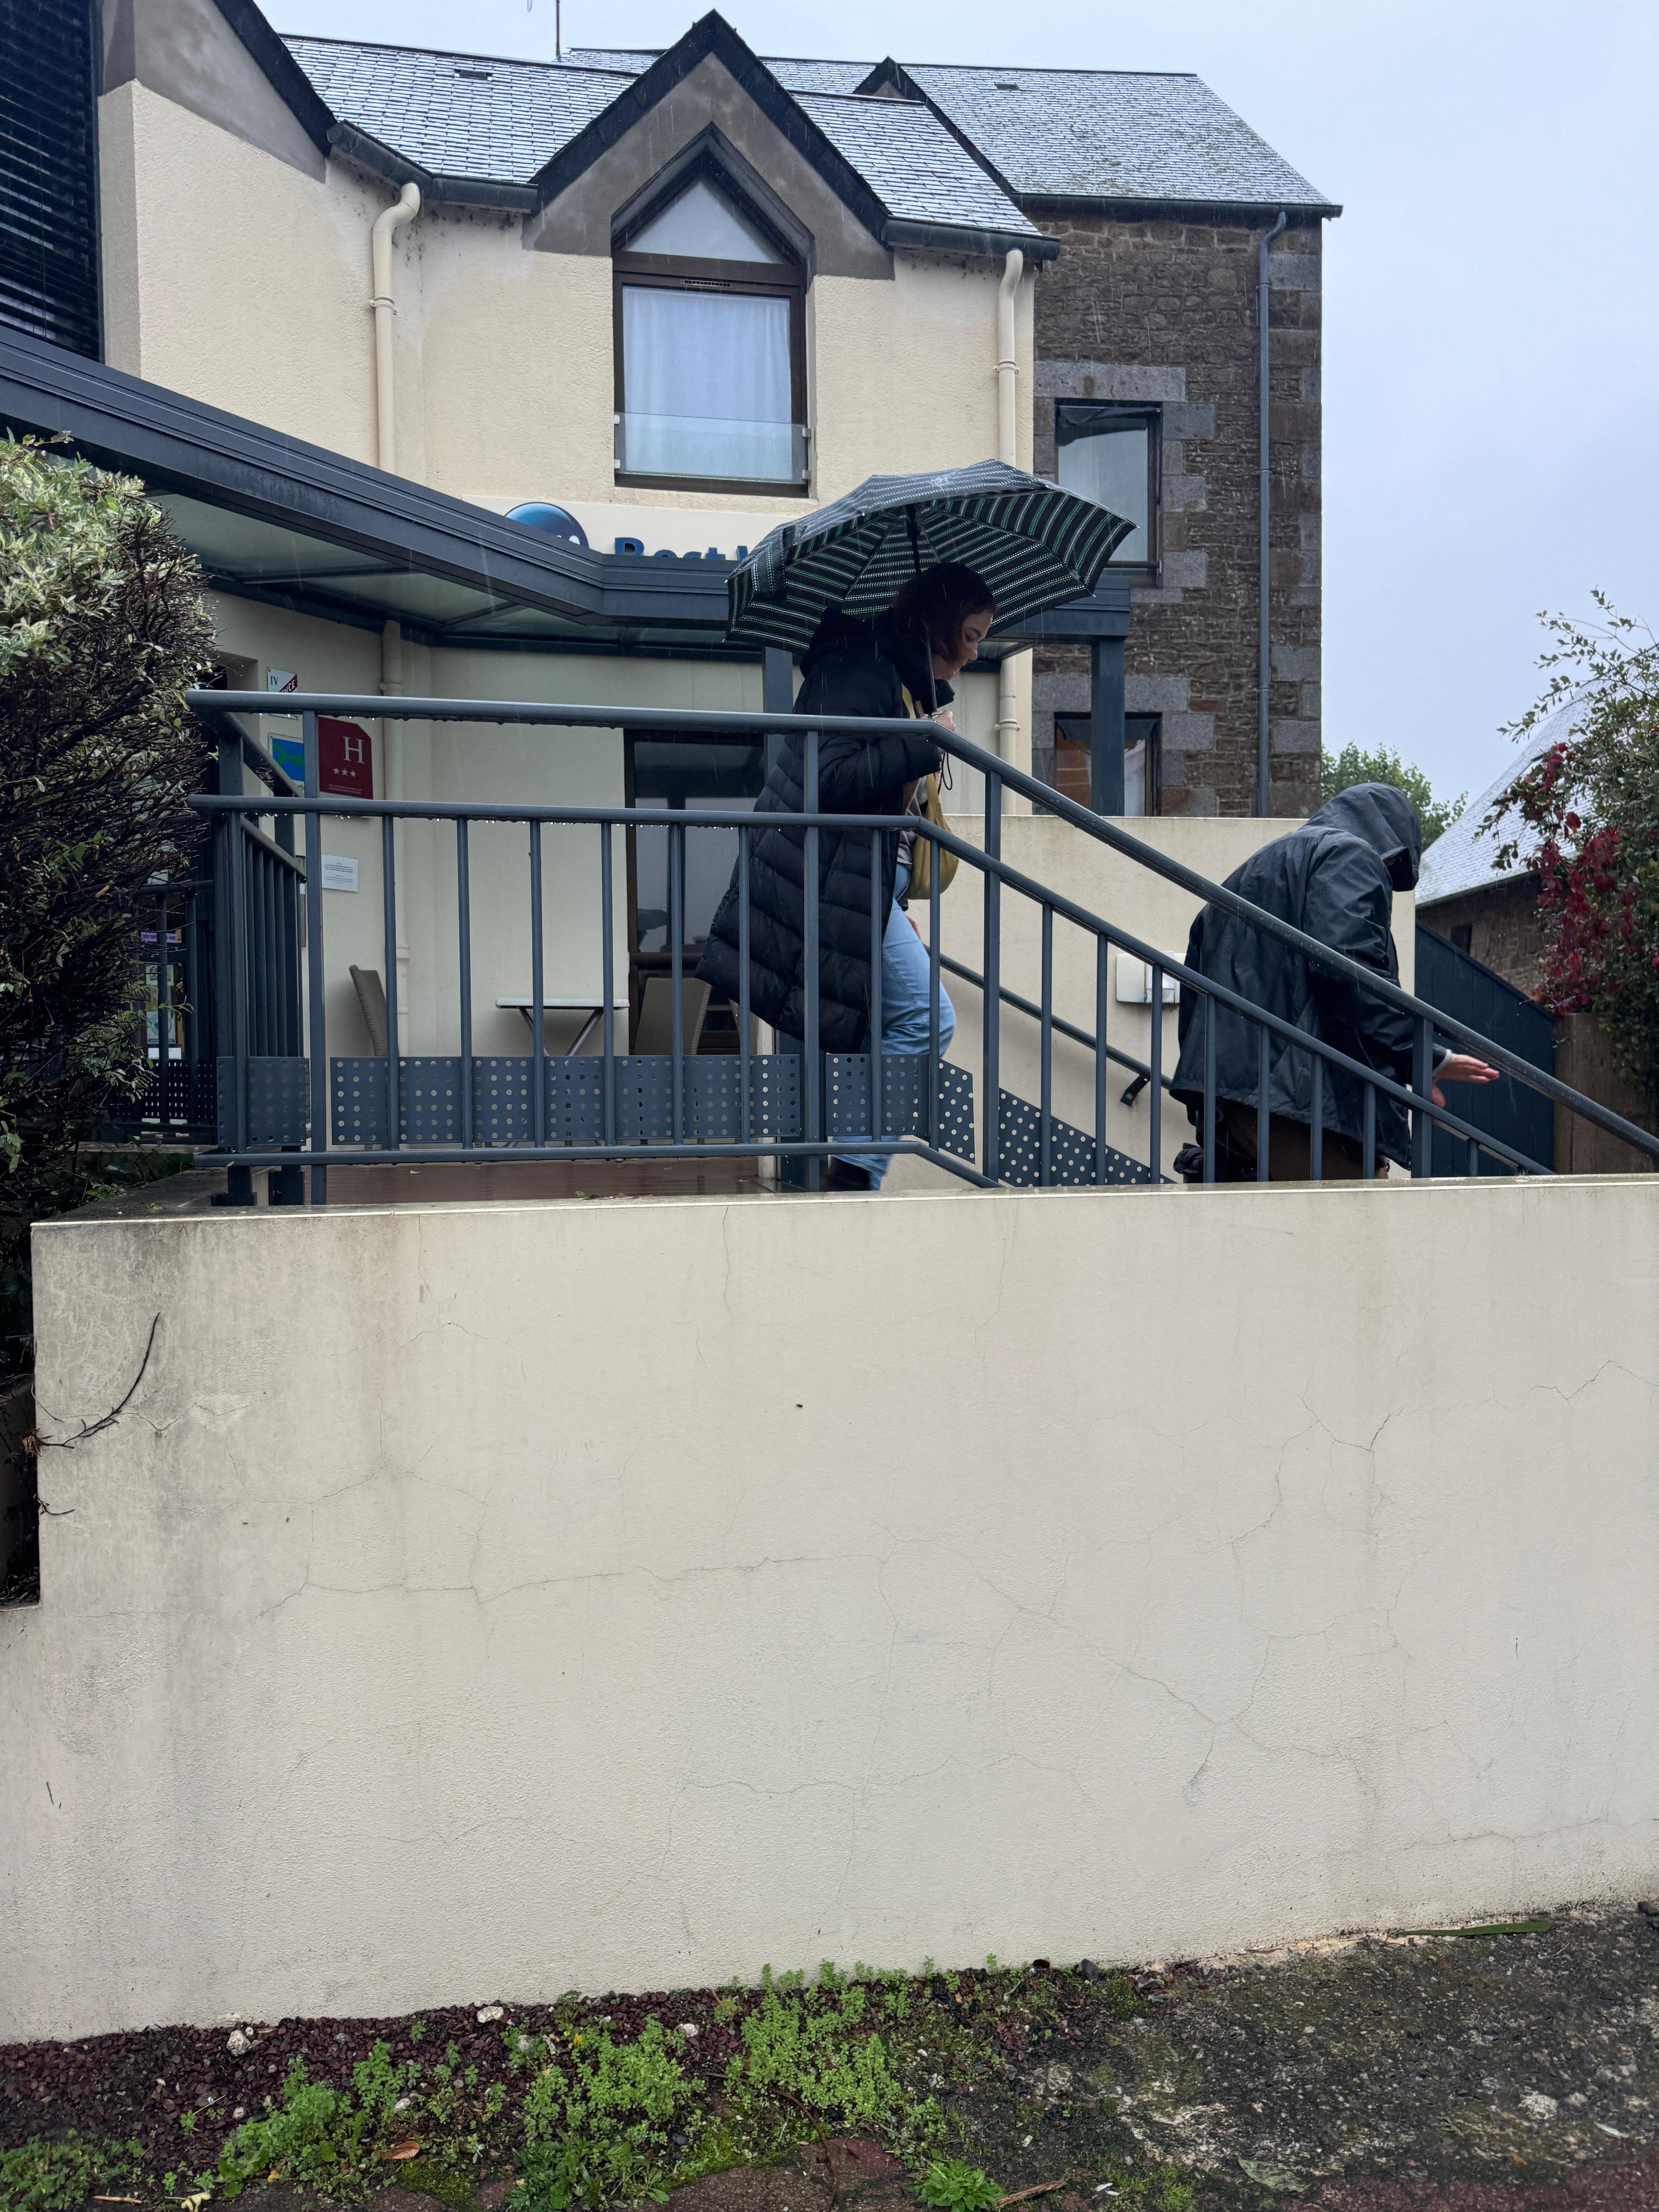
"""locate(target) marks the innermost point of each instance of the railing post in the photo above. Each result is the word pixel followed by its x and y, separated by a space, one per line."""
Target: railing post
pixel 1106 725
pixel 933 1083
pixel 464 960
pixel 991 993
pixel 394 1084
pixel 1046 1056
pixel 608 986
pixel 1316 1125
pixel 538 1018
pixel 877 935
pixel 1422 1076
pixel 814 1072
pixel 745 1071
pixel 1263 1120
pixel 318 1022
pixel 677 982
pixel 1101 1062
pixel 1154 1080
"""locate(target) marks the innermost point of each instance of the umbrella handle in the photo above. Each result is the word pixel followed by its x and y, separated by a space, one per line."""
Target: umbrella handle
pixel 914 536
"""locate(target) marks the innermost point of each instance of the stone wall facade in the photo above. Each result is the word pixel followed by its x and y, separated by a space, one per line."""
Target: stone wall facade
pixel 1162 312
pixel 1496 925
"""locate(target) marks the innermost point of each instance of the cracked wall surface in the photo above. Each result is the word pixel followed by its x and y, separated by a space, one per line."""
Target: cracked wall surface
pixel 482 1601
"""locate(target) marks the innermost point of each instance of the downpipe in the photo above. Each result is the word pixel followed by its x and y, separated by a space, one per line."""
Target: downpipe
pixel 1264 515
pixel 405 209
pixel 1013 268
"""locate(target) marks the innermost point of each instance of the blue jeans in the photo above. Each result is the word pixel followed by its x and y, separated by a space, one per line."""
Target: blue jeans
pixel 906 1024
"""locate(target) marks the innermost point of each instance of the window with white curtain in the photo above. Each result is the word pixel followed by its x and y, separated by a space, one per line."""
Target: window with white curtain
pixel 710 383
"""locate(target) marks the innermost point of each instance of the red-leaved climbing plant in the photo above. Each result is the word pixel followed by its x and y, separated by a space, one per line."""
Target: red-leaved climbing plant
pixel 1585 816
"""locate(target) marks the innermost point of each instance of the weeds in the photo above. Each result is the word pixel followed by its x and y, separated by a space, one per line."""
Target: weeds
pixel 60 2176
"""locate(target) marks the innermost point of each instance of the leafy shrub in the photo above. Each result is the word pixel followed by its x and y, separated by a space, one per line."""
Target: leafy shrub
pixel 59 2175
pixel 101 629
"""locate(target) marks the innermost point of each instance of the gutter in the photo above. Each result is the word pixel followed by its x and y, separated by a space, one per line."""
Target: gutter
pixel 965 237
pixel 435 186
pixel 1264 518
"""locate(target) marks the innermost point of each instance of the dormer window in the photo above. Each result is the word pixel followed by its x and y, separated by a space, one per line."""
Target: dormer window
pixel 711 382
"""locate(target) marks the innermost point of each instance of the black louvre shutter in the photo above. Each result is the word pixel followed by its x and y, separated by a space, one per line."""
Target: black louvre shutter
pixel 49 173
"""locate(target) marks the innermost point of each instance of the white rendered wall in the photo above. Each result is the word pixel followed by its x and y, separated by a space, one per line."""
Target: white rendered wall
pixel 481 1602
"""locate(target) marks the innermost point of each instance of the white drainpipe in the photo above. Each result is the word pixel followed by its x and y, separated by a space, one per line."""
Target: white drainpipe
pixel 385 403
pixel 1007 450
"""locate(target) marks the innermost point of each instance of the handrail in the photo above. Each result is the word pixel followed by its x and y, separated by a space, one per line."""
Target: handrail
pixel 444 810
pixel 760 726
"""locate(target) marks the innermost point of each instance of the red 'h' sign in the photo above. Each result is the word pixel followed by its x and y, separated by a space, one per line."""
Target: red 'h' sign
pixel 345 758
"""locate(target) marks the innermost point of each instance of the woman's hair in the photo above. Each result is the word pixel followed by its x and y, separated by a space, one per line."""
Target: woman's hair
pixel 939 601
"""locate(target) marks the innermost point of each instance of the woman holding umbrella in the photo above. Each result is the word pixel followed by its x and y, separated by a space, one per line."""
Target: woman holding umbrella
pixel 885 595
pixel 898 664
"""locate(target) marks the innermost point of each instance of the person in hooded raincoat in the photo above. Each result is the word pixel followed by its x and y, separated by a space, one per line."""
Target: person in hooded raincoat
pixel 932 630
pixel 1335 877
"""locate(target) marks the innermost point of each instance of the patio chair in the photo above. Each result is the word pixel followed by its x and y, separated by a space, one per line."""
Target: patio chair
pixel 371 1000
pixel 653 1032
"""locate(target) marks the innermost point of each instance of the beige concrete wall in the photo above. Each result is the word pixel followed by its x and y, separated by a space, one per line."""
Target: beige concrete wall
pixel 488 1601
pixel 239 278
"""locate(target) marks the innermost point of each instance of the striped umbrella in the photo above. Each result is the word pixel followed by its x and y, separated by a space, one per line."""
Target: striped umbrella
pixel 1035 545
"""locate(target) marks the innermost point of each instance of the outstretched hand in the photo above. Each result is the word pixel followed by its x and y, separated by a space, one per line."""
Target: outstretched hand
pixel 1459 1068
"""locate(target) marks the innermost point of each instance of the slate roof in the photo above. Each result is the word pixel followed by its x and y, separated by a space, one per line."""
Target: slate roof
pixel 1102 134
pixel 1465 857
pixel 1063 134
pixel 1092 134
pixel 503 126
pixel 911 162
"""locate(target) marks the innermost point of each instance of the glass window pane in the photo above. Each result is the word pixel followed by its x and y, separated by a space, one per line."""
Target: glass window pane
pixel 706 385
pixel 722 778
pixel 704 224
pixel 1110 467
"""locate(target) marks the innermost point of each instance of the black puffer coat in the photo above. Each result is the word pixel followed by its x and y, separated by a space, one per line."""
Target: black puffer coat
pixel 851 668
pixel 1335 877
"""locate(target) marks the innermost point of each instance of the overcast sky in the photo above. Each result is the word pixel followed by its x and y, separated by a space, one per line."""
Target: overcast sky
pixel 1491 380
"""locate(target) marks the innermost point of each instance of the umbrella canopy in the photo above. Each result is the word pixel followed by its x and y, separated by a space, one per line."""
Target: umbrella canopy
pixel 1035 546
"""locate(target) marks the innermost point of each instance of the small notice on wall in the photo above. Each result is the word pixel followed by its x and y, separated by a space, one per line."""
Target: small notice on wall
pixel 339 874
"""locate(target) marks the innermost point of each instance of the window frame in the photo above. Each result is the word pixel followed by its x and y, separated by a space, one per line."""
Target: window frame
pixel 1150 414
pixel 1075 729
pixel 785 278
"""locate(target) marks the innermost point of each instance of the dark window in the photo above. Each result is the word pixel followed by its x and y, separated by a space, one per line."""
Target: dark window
pixel 1463 935
pixel 49 284
pixel 692 777
pixel 1110 455
pixel 710 346
pixel 1141 764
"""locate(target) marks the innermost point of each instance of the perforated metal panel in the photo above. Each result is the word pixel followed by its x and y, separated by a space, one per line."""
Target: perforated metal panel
pixel 904 1088
pixel 1071 1152
pixel 278 1101
pixel 503 1099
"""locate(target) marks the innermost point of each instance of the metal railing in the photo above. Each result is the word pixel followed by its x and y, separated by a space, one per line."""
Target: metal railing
pixel 276 1092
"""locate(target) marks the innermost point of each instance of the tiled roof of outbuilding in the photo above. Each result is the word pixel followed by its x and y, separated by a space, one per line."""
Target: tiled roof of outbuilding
pixel 1465 857
pixel 441 111
pixel 1104 134
pixel 911 162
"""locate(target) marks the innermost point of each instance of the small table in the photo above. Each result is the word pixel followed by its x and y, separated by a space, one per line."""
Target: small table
pixel 592 1004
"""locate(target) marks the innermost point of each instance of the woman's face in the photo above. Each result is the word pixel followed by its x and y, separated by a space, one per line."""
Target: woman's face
pixel 975 630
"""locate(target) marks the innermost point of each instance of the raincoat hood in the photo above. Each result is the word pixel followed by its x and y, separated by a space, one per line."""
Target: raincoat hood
pixel 1385 819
